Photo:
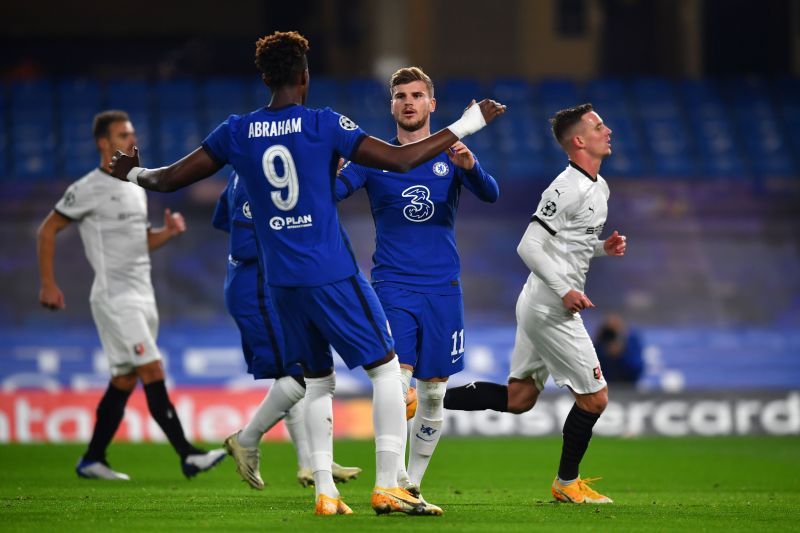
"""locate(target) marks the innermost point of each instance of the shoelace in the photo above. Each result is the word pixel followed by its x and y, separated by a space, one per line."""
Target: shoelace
pixel 584 483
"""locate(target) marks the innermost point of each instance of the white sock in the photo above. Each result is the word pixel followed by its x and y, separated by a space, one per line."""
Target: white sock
pixel 283 394
pixel 426 427
pixel 295 425
pixel 405 377
pixel 318 414
pixel 388 418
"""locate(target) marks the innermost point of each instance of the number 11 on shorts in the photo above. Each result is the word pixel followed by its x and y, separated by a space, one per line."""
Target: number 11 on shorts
pixel 458 338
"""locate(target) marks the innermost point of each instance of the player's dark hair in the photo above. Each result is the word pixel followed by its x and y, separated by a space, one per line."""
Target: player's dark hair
pixel 563 121
pixel 407 75
pixel 103 121
pixel 280 57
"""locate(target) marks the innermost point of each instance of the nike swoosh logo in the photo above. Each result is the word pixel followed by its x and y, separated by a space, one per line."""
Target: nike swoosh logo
pixel 457 358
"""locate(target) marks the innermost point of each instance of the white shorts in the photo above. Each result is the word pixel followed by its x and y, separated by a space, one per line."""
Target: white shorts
pixel 128 333
pixel 557 344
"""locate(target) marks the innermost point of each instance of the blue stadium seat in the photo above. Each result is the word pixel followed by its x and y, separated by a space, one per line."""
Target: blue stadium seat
pixel 664 130
pixel 176 96
pixel 758 128
pixel 80 95
pixel 179 135
pixel 33 129
pixel 558 94
pixel 368 98
pixel 453 95
pixel 325 92
pixel 222 97
pixel 77 150
pixel 514 92
pixel 133 96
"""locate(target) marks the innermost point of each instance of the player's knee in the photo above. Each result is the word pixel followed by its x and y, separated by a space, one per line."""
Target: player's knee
pixel 124 383
pixel 518 406
pixel 431 391
pixel 595 402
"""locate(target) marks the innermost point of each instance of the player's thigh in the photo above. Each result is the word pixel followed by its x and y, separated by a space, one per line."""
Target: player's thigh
pixel 526 362
pixel 262 344
pixel 568 351
pixel 401 308
pixel 126 332
pixel 303 344
pixel 350 317
pixel 442 336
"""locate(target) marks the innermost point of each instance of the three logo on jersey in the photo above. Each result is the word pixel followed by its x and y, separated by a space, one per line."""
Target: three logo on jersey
pixel 421 208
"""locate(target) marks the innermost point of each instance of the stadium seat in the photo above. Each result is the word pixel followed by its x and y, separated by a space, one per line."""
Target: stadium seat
pixel 222 97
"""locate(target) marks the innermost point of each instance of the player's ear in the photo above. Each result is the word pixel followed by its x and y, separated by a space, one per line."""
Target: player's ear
pixel 103 143
pixel 304 77
pixel 433 104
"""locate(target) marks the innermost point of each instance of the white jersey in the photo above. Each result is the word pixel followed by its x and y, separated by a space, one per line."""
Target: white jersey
pixel 573 209
pixel 112 220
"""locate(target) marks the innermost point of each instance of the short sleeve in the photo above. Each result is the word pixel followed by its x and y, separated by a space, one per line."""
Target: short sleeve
pixel 77 202
pixel 218 143
pixel 346 134
pixel 556 207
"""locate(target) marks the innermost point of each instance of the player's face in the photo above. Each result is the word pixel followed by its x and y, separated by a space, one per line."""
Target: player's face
pixel 412 105
pixel 121 136
pixel 596 135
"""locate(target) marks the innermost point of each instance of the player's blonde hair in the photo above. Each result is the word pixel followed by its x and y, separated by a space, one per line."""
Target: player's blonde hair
pixel 281 56
pixel 407 75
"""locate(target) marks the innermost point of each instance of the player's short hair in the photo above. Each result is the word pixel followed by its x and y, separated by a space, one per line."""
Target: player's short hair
pixel 407 75
pixel 563 121
pixel 281 56
pixel 103 121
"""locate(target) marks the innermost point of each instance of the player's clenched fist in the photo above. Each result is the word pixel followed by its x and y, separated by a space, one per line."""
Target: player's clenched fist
pixel 491 109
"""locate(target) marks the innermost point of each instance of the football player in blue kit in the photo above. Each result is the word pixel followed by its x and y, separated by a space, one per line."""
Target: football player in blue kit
pixel 248 301
pixel 416 272
pixel 286 156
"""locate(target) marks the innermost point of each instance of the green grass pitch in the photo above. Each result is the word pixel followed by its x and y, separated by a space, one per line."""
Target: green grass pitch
pixel 488 484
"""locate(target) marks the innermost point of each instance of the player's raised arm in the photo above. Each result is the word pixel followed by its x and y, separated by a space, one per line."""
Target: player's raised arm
pixel 192 168
pixel 375 153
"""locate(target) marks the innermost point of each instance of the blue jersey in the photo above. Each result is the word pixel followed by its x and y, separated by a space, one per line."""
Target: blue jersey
pixel 415 214
pixel 232 215
pixel 286 159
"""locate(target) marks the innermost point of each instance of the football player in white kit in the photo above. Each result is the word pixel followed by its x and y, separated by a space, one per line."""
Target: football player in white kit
pixel 112 221
pixel 551 339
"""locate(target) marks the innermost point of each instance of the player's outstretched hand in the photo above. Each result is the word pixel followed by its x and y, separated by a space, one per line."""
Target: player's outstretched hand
pixel 575 301
pixel 616 244
pixel 51 297
pixel 122 163
pixel 174 223
pixel 491 109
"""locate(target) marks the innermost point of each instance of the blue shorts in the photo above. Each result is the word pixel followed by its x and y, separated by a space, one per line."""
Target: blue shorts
pixel 428 329
pixel 345 314
pixel 249 303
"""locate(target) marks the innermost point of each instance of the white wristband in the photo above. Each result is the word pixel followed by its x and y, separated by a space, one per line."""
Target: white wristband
pixel 133 175
pixel 471 121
